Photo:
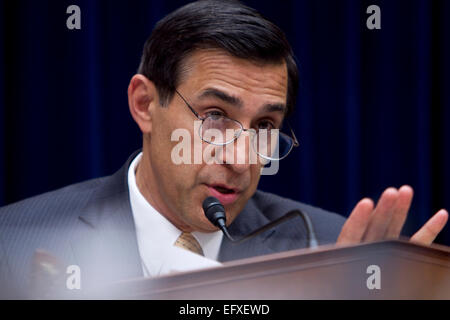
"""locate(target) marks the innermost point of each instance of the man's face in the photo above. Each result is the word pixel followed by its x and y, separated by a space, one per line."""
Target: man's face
pixel 213 82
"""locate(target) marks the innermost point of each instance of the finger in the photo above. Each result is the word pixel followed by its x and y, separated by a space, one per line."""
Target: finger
pixel 431 229
pixel 381 215
pixel 405 195
pixel 356 224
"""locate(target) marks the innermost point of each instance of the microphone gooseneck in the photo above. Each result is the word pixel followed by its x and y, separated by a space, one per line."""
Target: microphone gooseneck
pixel 215 212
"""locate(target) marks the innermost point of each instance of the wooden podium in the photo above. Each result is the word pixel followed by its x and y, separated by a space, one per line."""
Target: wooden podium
pixel 406 271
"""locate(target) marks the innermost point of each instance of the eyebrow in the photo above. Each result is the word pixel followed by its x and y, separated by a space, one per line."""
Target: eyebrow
pixel 275 107
pixel 225 97
pixel 237 102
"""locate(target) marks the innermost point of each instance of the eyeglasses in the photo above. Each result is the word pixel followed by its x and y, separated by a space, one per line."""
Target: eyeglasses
pixel 219 130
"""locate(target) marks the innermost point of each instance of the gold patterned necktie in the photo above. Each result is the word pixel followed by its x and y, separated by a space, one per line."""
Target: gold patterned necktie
pixel 188 242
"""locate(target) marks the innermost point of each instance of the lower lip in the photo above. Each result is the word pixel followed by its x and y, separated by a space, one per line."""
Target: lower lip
pixel 224 198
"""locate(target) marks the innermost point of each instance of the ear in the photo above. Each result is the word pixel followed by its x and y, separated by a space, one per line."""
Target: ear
pixel 142 99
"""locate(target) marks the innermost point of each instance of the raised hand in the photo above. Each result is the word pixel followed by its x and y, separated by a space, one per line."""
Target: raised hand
pixel 386 220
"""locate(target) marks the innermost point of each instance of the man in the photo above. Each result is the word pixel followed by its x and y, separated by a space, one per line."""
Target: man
pixel 220 65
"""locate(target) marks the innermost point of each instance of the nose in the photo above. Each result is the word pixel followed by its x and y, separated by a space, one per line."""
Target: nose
pixel 239 155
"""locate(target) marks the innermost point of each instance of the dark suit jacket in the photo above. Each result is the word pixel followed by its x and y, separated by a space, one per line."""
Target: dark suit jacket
pixel 90 224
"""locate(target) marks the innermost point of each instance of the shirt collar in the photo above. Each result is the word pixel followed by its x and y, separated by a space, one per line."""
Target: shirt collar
pixel 155 232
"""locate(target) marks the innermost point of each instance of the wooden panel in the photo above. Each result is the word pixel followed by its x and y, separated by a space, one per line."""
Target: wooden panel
pixel 408 271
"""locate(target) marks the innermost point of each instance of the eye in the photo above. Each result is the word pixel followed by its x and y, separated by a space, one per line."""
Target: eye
pixel 266 124
pixel 214 114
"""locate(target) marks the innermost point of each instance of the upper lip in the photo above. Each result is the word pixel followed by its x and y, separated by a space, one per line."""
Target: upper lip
pixel 221 185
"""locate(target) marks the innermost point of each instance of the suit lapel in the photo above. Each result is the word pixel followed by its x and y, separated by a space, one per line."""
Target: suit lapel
pixel 250 219
pixel 286 236
pixel 106 246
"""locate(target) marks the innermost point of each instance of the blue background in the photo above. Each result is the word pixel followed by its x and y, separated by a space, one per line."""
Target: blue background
pixel 372 112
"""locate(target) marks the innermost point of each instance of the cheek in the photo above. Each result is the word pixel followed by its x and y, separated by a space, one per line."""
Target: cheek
pixel 255 175
pixel 237 208
pixel 172 173
pixel 176 140
pixel 166 138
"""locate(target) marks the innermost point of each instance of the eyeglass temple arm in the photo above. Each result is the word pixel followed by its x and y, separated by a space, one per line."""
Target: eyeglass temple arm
pixel 296 143
pixel 189 106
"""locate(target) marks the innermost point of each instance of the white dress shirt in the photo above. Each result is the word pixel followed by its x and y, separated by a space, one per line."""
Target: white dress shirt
pixel 156 237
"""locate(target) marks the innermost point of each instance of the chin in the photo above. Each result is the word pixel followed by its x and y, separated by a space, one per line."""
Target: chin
pixel 206 227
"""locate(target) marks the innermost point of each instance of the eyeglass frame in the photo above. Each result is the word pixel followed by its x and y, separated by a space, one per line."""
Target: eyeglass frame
pixel 236 136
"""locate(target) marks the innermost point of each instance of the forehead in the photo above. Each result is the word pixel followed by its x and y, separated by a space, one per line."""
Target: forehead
pixel 261 83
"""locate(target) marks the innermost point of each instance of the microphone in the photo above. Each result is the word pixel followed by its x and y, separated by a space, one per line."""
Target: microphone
pixel 215 212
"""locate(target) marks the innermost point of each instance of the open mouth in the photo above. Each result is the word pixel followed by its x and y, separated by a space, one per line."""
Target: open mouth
pixel 223 190
pixel 224 194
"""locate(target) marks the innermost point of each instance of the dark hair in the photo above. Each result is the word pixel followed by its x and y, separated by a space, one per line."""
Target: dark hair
pixel 229 25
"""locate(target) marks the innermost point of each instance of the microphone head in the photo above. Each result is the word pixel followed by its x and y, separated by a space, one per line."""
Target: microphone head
pixel 214 211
